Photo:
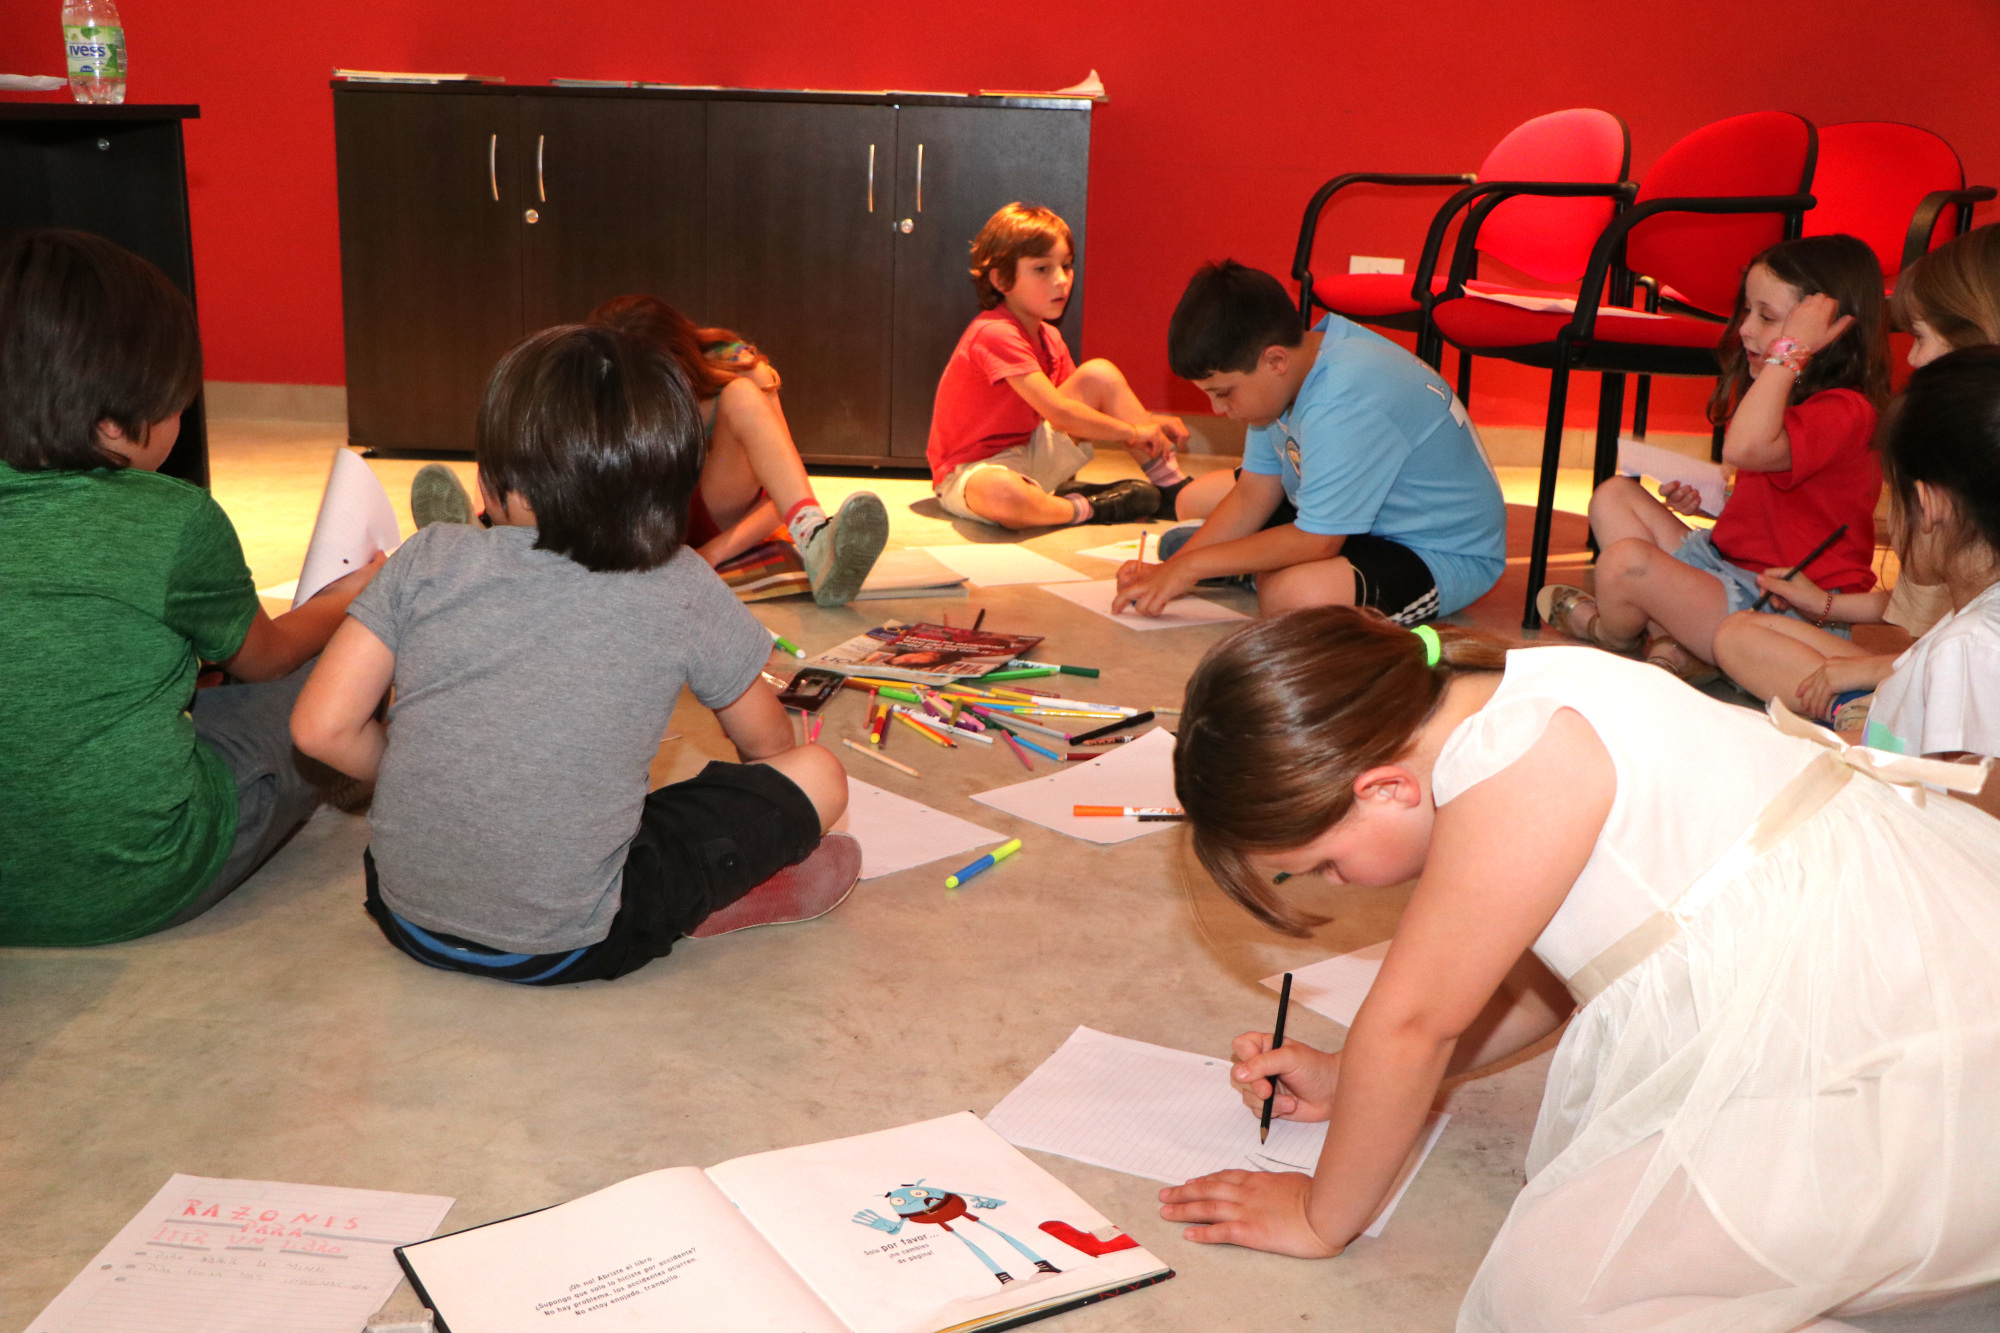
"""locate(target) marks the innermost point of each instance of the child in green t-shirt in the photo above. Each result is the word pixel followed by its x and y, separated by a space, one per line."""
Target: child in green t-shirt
pixel 132 802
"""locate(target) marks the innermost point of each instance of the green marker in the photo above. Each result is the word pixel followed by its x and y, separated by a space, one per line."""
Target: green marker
pixel 1020 673
pixel 783 644
pixel 1023 663
pixel 984 863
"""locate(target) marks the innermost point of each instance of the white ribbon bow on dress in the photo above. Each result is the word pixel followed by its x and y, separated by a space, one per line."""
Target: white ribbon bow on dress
pixel 1908 775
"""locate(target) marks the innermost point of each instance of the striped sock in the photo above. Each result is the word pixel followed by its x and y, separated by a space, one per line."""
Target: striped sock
pixel 1164 471
pixel 1080 503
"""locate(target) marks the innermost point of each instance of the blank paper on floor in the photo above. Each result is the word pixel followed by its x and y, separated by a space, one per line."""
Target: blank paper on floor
pixel 1181 612
pixel 246 1256
pixel 896 833
pixel 997 564
pixel 1336 986
pixel 1163 1114
pixel 1138 774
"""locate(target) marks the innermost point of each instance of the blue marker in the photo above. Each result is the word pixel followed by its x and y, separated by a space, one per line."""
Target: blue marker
pixel 984 863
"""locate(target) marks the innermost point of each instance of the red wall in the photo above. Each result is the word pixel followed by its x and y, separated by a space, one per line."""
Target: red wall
pixel 1223 118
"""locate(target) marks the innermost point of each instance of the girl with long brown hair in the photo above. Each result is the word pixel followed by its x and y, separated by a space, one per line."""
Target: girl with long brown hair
pixel 1778 1095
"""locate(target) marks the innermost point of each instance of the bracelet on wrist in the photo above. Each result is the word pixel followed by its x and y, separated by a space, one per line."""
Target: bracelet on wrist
pixel 1825 614
pixel 1788 352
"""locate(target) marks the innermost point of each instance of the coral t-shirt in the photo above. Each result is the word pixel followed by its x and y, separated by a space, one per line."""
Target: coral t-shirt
pixel 1774 519
pixel 977 413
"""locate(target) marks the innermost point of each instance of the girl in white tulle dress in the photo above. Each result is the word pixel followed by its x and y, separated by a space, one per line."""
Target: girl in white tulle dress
pixel 1778 1098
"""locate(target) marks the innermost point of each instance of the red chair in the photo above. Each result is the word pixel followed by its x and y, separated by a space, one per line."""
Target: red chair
pixel 1712 201
pixel 1890 185
pixel 1548 239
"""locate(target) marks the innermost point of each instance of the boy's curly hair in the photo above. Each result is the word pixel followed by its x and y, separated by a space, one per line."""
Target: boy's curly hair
pixel 1018 231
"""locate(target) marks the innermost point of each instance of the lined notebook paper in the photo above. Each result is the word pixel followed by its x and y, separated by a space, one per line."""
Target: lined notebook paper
pixel 246 1256
pixel 1163 1114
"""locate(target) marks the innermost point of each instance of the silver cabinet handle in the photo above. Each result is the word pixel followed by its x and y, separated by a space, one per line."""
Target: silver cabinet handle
pixel 493 165
pixel 541 190
pixel 920 178
pixel 871 178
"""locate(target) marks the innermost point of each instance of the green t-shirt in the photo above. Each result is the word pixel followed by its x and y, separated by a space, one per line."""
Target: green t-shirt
pixel 112 815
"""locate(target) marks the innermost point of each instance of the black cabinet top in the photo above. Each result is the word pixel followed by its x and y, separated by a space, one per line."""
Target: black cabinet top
pixel 461 89
pixel 89 111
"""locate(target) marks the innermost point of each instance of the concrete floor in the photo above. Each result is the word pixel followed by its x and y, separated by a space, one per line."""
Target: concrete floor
pixel 280 1037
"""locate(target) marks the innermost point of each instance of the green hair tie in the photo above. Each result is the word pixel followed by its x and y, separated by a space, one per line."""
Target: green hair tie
pixel 1433 646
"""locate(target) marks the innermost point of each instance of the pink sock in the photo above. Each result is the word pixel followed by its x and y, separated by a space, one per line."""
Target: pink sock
pixel 1164 471
pixel 1081 504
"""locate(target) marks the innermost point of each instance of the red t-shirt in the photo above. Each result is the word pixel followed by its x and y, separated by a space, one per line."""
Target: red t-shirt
pixel 977 413
pixel 1774 519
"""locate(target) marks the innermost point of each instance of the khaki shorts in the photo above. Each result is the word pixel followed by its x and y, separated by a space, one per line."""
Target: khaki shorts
pixel 1048 459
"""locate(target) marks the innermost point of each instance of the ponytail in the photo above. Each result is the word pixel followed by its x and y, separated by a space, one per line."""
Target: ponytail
pixel 1283 716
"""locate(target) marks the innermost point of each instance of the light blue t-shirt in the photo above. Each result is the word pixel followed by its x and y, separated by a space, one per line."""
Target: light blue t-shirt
pixel 1375 442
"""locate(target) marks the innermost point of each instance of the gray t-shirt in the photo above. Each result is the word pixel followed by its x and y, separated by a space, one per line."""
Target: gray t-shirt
pixel 531 696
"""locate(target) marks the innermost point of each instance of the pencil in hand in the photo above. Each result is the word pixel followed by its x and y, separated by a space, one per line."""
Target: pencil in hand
pixel 1277 1040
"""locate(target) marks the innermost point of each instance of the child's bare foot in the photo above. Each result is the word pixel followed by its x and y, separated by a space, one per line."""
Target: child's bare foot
pixel 812 888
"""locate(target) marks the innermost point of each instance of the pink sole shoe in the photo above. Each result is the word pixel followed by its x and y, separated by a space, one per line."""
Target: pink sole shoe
pixel 812 888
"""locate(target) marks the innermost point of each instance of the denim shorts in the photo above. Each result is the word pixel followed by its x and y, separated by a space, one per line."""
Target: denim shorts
pixel 1698 551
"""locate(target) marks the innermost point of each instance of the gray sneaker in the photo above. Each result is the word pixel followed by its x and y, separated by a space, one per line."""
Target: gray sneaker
pixel 839 555
pixel 437 497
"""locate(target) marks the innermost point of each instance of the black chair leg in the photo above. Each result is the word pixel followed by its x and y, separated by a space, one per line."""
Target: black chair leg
pixel 1545 496
pixel 1642 402
pixel 1715 442
pixel 1610 414
pixel 1465 379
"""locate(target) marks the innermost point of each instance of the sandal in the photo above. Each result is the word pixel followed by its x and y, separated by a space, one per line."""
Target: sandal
pixel 1666 653
pixel 1557 604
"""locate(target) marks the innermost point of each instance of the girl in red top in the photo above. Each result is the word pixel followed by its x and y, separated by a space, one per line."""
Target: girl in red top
pixel 1805 368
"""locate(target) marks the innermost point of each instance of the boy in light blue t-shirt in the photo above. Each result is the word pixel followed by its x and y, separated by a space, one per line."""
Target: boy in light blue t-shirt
pixel 1363 481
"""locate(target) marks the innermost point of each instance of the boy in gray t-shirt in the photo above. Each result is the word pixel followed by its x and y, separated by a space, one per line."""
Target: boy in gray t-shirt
pixel 536 664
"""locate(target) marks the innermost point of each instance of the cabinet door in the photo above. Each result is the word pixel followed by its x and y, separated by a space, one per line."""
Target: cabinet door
pixel 615 188
pixel 973 160
pixel 799 232
pixel 430 247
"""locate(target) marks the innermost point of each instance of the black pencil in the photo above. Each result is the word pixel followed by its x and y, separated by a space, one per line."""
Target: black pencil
pixel 1277 1040
pixel 981 620
pixel 1136 719
pixel 1800 567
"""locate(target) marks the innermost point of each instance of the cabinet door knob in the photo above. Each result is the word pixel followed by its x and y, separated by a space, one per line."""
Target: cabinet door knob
pixel 532 216
pixel 906 226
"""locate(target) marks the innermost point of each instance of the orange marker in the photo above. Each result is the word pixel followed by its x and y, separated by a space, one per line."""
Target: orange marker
pixel 1127 811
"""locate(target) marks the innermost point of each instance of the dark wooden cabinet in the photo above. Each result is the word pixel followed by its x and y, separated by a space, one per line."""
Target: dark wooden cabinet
pixel 117 171
pixel 830 229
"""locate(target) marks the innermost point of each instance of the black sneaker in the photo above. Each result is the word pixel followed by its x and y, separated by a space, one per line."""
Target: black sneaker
pixel 1127 501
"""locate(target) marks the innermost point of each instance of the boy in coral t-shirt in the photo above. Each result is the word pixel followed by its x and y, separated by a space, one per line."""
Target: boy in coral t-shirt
pixel 1014 415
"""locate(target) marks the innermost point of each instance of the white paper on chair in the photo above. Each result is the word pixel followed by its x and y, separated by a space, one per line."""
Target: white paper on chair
pixel 244 1256
pixel 1636 458
pixel 1336 986
pixel 1555 304
pixel 1182 611
pixel 355 521
pixel 1163 1114
pixel 896 832
pixel 997 564
pixel 1138 774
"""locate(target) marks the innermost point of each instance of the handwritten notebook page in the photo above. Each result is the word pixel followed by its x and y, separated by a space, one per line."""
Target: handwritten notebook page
pixel 1163 1114
pixel 246 1256
pixel 1336 986
pixel 896 832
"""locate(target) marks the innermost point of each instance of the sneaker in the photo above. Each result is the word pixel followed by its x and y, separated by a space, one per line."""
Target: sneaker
pixel 1126 501
pixel 812 888
pixel 437 497
pixel 1850 710
pixel 840 553
pixel 1666 653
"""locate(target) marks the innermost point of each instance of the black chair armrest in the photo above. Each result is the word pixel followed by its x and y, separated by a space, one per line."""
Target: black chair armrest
pixel 1309 226
pixel 1611 245
pixel 1924 221
pixel 1483 199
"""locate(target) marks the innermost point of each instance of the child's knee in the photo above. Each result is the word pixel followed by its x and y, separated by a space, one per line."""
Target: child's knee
pixel 1005 498
pixel 824 781
pixel 1626 562
pixel 1296 587
pixel 1616 495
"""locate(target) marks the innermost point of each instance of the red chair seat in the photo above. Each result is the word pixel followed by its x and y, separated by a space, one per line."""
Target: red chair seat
pixel 1376 295
pixel 1471 322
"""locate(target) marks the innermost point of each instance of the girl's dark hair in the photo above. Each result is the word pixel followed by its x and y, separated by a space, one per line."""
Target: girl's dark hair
pixel 692 347
pixel 1955 289
pixel 1281 718
pixel 1837 266
pixel 599 432
pixel 1945 432
pixel 89 333
pixel 1228 315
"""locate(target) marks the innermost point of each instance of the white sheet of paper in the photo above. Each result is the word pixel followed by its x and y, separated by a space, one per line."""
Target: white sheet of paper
pixel 355 521
pixel 997 564
pixel 1118 551
pixel 281 592
pixel 1553 304
pixel 1163 1114
pixel 246 1256
pixel 1139 774
pixel 1336 986
pixel 909 571
pixel 896 832
pixel 1636 458
pixel 1096 596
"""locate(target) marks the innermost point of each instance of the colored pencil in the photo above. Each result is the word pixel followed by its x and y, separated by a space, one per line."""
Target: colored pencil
pixel 872 754
pixel 1014 720
pixel 923 730
pixel 1277 1040
pixel 1015 746
pixel 980 621
pixel 943 727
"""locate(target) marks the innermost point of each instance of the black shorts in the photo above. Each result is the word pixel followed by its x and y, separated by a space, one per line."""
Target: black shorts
pixel 1387 575
pixel 701 845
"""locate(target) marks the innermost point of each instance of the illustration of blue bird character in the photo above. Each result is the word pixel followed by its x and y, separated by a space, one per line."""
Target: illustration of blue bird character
pixel 924 1203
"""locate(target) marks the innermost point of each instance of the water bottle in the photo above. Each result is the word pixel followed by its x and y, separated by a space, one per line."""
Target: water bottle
pixel 95 42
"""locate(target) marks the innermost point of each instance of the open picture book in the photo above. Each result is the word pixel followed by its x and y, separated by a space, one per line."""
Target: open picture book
pixel 941 1225
pixel 932 654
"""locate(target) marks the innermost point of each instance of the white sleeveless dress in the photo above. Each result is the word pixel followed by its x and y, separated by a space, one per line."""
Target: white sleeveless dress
pixel 1781 1096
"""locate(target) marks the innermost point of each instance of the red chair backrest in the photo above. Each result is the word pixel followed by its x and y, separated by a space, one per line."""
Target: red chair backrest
pixel 1550 239
pixel 1701 255
pixel 1872 174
